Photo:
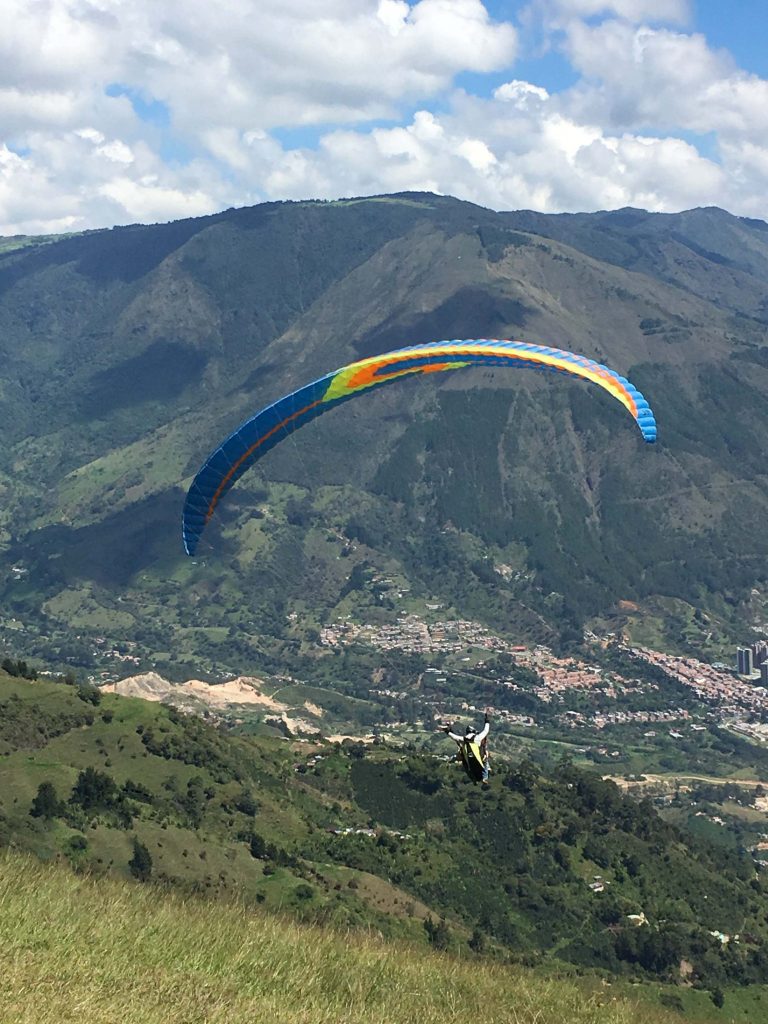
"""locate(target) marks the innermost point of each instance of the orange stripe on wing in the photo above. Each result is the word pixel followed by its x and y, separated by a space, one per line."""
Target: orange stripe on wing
pixel 369 374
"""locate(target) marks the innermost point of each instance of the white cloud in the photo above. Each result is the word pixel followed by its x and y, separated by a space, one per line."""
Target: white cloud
pixel 477 154
pixel 393 14
pixel 640 76
pixel 151 201
pixel 222 77
pixel 539 159
pixel 676 11
pixel 265 65
pixel 222 84
pixel 521 94
pixel 85 178
pixel 90 135
pixel 117 152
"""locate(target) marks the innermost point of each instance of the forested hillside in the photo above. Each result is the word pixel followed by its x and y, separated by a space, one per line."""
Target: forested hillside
pixel 127 354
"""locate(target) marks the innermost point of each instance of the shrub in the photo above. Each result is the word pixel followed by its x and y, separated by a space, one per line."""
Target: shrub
pixel 140 864
pixel 46 804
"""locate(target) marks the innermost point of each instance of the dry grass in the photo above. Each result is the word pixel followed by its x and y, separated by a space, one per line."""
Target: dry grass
pixel 103 951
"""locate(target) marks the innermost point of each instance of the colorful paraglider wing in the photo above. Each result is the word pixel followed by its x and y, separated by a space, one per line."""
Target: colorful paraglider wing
pixel 267 428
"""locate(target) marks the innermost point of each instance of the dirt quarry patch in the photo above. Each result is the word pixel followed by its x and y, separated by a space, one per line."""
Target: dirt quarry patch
pixel 243 690
pixel 296 725
pixel 151 686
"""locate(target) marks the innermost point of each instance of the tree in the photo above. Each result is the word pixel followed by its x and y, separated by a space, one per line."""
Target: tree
pixel 94 789
pixel 597 850
pixel 660 950
pixel 18 668
pixel 193 802
pixel 523 778
pixel 140 864
pixel 46 804
pixel 439 934
pixel 258 846
pixel 89 694
pixel 246 804
pixel 717 997
pixel 477 941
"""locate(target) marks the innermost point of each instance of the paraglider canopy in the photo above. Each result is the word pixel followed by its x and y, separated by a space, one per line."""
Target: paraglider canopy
pixel 254 438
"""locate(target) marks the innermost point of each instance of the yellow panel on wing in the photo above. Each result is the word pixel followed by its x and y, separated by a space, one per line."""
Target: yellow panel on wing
pixel 370 372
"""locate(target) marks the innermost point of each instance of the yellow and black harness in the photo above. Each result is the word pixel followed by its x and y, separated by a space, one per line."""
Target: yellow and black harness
pixel 472 759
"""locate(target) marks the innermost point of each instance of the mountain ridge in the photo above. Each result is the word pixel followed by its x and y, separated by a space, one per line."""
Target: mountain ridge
pixel 131 352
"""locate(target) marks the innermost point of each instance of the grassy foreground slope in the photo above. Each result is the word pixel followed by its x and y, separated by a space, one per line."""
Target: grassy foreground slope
pixel 72 948
pixel 282 826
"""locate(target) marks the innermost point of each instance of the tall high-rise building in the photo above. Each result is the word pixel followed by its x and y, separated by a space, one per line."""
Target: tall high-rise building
pixel 744 661
pixel 764 674
pixel 759 653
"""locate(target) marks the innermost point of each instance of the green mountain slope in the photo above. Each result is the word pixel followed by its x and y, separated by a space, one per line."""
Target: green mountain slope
pixel 127 354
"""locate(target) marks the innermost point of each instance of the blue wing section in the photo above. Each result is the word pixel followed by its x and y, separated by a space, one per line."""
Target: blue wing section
pixel 252 439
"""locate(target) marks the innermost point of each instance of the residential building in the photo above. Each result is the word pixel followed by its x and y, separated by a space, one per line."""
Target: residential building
pixel 744 661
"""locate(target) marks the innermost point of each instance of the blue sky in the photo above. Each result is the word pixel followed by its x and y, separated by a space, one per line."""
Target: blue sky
pixel 740 26
pixel 148 112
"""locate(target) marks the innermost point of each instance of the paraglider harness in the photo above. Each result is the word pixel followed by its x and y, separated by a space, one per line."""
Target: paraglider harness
pixel 473 755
